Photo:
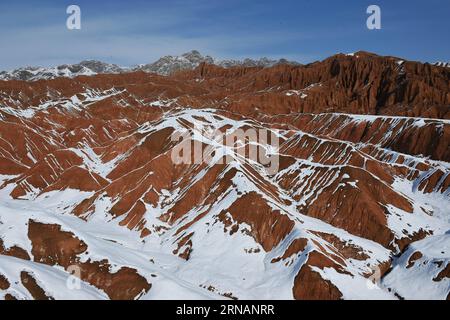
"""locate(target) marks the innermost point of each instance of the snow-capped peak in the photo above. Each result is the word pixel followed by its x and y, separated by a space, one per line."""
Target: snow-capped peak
pixel 84 68
pixel 164 66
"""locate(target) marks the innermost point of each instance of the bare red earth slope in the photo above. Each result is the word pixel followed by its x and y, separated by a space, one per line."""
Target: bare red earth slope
pixel 358 205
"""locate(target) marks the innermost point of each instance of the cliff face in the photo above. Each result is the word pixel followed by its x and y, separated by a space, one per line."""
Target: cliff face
pixel 88 182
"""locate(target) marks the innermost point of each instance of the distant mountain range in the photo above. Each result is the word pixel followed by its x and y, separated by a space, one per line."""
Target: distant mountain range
pixel 324 181
pixel 164 66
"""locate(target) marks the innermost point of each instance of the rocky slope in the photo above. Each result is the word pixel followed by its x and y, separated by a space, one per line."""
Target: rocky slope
pixel 356 208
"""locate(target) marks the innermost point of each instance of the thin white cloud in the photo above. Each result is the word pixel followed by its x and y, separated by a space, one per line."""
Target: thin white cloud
pixel 130 39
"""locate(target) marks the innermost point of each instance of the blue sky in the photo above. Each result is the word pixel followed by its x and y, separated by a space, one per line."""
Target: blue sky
pixel 132 32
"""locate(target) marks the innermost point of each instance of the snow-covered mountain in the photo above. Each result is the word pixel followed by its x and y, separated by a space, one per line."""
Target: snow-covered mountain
pixel 170 64
pixel 263 62
pixel 84 68
pixel 164 66
pixel 95 204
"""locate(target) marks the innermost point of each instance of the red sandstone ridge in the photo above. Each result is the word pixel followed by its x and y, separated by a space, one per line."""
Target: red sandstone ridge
pixel 362 83
pixel 90 191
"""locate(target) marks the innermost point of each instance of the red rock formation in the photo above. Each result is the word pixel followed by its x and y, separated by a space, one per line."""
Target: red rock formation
pixel 309 285
pixel 4 283
pixel 52 246
pixel 32 286
pixel 351 130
